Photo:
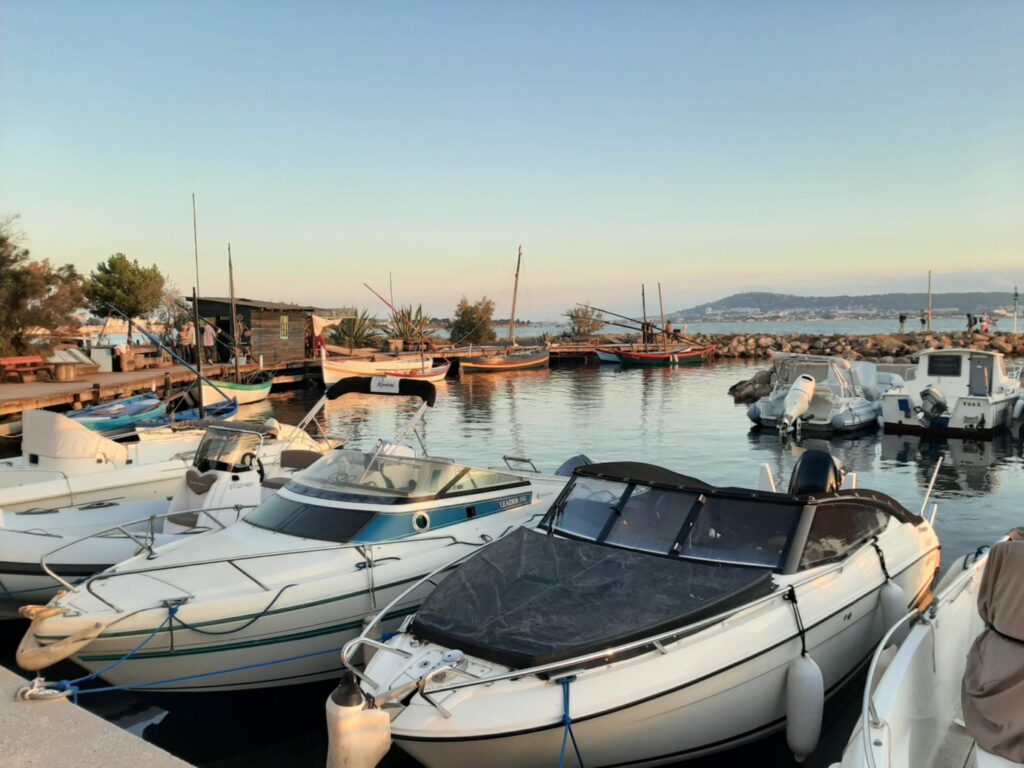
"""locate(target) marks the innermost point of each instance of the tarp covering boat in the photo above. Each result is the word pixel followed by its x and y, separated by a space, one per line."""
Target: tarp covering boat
pixel 532 599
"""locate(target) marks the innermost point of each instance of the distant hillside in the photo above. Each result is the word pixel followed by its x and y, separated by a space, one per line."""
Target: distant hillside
pixel 881 304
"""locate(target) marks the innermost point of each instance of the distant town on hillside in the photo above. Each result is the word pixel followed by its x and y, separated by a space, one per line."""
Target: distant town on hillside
pixel 760 306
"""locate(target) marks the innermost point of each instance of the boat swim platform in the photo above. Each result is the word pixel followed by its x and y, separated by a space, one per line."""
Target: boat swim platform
pixel 59 734
pixel 96 388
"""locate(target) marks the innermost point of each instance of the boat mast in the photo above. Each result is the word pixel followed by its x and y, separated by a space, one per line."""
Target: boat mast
pixel 661 307
pixel 234 315
pixel 929 299
pixel 643 304
pixel 199 350
pixel 515 292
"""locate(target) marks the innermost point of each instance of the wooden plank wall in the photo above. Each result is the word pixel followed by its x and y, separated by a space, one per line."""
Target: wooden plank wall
pixel 266 336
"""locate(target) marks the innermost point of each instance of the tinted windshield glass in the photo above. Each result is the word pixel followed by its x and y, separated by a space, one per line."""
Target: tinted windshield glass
pixel 399 475
pixel 227 450
pixel 309 521
pixel 745 531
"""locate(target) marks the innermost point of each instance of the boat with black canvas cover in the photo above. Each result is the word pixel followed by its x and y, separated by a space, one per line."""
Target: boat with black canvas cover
pixel 650 618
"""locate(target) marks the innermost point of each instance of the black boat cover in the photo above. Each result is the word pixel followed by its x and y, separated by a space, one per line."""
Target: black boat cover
pixel 531 598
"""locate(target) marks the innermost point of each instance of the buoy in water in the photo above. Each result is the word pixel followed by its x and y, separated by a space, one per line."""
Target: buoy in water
pixel 357 737
pixel 805 705
pixel 893 602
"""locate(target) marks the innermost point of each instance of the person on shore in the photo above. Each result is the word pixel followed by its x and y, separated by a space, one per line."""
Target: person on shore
pixel 984 323
pixel 971 320
pixel 924 320
pixel 209 338
pixel 903 322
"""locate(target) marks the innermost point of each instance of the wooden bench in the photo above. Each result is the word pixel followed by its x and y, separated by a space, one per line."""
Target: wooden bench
pixel 11 367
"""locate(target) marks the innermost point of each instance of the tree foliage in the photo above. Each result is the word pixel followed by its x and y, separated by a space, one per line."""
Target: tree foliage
pixel 33 294
pixel 472 322
pixel 584 322
pixel 132 289
pixel 359 331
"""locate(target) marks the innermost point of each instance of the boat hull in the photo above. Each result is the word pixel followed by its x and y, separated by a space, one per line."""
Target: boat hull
pixel 662 359
pixel 496 363
pixel 120 415
pixel 435 374
pixel 336 369
pixel 970 417
pixel 243 393
pixel 607 357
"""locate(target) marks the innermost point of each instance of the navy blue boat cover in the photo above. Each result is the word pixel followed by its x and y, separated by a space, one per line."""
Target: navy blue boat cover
pixel 531 598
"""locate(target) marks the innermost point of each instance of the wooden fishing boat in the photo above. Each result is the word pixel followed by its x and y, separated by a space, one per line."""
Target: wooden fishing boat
pixel 252 391
pixel 607 356
pixel 337 368
pixel 120 414
pixel 691 355
pixel 517 361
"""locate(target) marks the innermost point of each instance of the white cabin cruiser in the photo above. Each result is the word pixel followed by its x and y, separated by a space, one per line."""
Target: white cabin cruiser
pixel 64 462
pixel 950 694
pixel 271 600
pixel 658 617
pixel 236 466
pixel 822 394
pixel 958 392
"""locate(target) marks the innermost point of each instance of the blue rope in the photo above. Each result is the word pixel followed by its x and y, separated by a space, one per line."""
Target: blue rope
pixel 565 682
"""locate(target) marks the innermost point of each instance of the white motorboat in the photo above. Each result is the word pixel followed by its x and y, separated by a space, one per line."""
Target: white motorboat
pixel 950 694
pixel 958 392
pixel 63 462
pixel 236 466
pixel 271 600
pixel 661 617
pixel 821 394
pixel 337 368
pixel 253 390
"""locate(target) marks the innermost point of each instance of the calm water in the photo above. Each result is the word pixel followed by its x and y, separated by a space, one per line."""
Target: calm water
pixel 679 418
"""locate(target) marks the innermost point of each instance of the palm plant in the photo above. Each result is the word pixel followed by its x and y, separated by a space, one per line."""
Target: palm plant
pixel 408 324
pixel 359 331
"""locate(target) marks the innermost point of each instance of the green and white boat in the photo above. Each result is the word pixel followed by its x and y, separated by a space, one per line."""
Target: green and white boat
pixel 252 390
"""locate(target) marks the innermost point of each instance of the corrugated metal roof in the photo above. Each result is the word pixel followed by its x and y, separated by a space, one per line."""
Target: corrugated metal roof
pixel 271 306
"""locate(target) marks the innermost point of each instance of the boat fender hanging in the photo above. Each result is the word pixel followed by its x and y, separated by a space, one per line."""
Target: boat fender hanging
pixel 357 736
pixel 893 601
pixel 33 655
pixel 805 705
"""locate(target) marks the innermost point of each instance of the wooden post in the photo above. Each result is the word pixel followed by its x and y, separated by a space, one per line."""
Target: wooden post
pixel 515 293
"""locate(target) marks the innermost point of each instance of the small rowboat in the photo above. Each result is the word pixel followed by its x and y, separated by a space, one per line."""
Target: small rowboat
pixel 337 368
pixel 224 411
pixel 120 414
pixel 436 373
pixel 607 356
pixel 517 361
pixel 681 356
pixel 252 391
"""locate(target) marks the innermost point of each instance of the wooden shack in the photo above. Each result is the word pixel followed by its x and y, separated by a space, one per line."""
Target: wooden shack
pixel 278 331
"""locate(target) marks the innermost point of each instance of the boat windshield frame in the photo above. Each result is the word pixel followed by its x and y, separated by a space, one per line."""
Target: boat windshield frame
pixel 213 452
pixel 387 478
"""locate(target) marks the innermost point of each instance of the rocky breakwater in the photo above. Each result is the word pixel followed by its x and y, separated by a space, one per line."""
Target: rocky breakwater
pixel 902 348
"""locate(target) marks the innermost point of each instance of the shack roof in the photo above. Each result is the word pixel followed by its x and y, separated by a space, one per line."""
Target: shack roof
pixel 269 306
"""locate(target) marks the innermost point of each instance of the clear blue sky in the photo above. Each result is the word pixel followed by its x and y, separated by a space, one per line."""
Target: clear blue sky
pixel 812 147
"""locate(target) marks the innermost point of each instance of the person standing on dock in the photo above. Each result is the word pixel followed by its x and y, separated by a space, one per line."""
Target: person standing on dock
pixel 209 337
pixel 187 339
pixel 924 320
pixel 903 322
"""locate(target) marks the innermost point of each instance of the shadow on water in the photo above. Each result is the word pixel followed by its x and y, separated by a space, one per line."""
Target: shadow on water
pixel 679 418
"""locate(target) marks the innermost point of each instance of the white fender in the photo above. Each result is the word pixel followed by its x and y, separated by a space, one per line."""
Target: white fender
pixel 805 704
pixel 35 612
pixel 798 399
pixel 33 655
pixel 893 602
pixel 357 737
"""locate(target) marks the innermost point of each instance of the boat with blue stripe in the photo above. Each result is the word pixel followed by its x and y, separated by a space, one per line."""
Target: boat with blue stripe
pixel 273 598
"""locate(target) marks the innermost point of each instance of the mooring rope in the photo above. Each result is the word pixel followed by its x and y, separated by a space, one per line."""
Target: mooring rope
pixel 565 682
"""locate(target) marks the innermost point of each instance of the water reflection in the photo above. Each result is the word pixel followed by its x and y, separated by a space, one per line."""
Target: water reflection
pixel 857 453
pixel 969 467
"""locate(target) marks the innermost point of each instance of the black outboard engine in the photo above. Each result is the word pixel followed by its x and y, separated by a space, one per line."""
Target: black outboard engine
pixel 570 465
pixel 815 472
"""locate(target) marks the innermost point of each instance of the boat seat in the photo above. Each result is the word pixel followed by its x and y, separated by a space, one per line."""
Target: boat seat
pixel 275 483
pixel 993 684
pixel 199 482
pixel 299 458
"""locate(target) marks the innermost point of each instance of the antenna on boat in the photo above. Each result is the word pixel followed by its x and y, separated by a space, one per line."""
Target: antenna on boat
pixel 931 485
pixel 198 348
pixel 515 292
pixel 234 315
pixel 195 240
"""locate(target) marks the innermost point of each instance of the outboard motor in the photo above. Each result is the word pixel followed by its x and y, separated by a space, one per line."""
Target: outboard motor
pixel 933 404
pixel 815 472
pixel 798 400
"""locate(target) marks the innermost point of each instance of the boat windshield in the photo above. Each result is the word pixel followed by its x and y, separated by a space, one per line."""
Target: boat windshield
pixel 227 450
pixel 352 471
pixel 677 522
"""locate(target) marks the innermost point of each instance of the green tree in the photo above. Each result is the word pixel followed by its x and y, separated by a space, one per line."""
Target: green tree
pixel 472 322
pixel 33 294
pixel 359 331
pixel 132 289
pixel 584 322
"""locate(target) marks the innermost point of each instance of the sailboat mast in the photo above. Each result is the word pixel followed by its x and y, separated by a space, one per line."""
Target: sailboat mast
pixel 643 304
pixel 234 315
pixel 661 308
pixel 515 293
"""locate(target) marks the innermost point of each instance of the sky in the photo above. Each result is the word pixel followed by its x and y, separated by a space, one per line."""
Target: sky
pixel 714 147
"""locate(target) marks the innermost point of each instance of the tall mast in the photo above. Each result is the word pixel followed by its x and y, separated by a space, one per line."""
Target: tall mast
pixel 195 243
pixel 199 351
pixel 661 307
pixel 643 304
pixel 929 299
pixel 515 293
pixel 234 315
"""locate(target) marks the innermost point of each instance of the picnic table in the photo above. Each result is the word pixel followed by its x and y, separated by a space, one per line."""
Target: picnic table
pixel 18 367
